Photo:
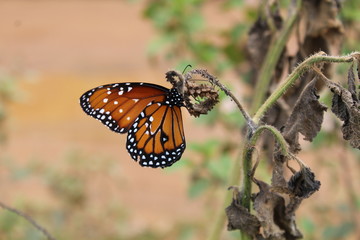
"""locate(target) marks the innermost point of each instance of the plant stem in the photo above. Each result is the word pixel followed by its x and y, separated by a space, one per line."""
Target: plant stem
pixel 289 81
pixel 245 160
pixel 214 80
pixel 29 219
pixel 249 121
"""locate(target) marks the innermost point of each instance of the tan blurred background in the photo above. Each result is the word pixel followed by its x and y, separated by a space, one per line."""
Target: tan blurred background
pixel 57 50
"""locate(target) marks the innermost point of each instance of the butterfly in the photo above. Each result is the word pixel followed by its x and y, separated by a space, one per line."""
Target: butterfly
pixel 150 114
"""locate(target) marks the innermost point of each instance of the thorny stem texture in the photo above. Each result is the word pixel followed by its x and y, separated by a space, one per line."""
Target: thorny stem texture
pixel 250 123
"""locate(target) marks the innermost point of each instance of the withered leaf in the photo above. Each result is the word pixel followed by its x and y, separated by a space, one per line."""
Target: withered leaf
pixel 275 218
pixel 358 71
pixel 339 108
pixel 306 117
pixel 240 218
pixel 265 203
pixel 260 36
pixel 347 109
pixel 303 183
pixel 351 83
pixel 278 179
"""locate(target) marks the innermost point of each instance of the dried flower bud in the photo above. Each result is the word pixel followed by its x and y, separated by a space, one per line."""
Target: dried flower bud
pixel 199 97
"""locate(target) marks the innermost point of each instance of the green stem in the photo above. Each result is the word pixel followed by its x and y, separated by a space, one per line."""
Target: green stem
pixel 272 57
pixel 247 156
pixel 289 81
pixel 244 159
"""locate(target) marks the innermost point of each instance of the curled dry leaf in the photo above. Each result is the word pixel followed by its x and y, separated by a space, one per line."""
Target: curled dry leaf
pixel 346 106
pixel 351 83
pixel 303 183
pixel 324 30
pixel 240 218
pixel 276 218
pixel 278 179
pixel 306 118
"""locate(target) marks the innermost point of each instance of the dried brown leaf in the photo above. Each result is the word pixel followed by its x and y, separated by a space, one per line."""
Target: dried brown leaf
pixel 346 106
pixel 351 83
pixel 303 183
pixel 306 118
pixel 275 218
pixel 260 36
pixel 324 30
pixel 265 203
pixel 240 218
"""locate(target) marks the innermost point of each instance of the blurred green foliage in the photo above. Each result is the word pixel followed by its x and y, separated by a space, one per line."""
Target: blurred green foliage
pixel 185 34
pixel 7 95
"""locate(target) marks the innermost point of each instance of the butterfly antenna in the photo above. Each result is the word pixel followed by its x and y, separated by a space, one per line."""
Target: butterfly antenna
pixel 189 65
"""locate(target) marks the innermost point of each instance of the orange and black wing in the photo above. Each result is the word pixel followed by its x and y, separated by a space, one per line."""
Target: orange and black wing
pixel 118 105
pixel 157 139
pixel 149 113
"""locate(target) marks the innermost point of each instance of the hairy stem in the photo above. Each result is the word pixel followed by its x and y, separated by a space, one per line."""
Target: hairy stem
pixel 245 160
pixel 308 63
pixel 215 81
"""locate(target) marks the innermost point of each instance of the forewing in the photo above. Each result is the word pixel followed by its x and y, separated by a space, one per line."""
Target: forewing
pixel 118 105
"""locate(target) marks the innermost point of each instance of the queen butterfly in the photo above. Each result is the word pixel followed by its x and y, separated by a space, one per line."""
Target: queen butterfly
pixel 149 113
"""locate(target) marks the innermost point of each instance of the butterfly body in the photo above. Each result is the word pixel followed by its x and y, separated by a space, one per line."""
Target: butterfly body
pixel 150 114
